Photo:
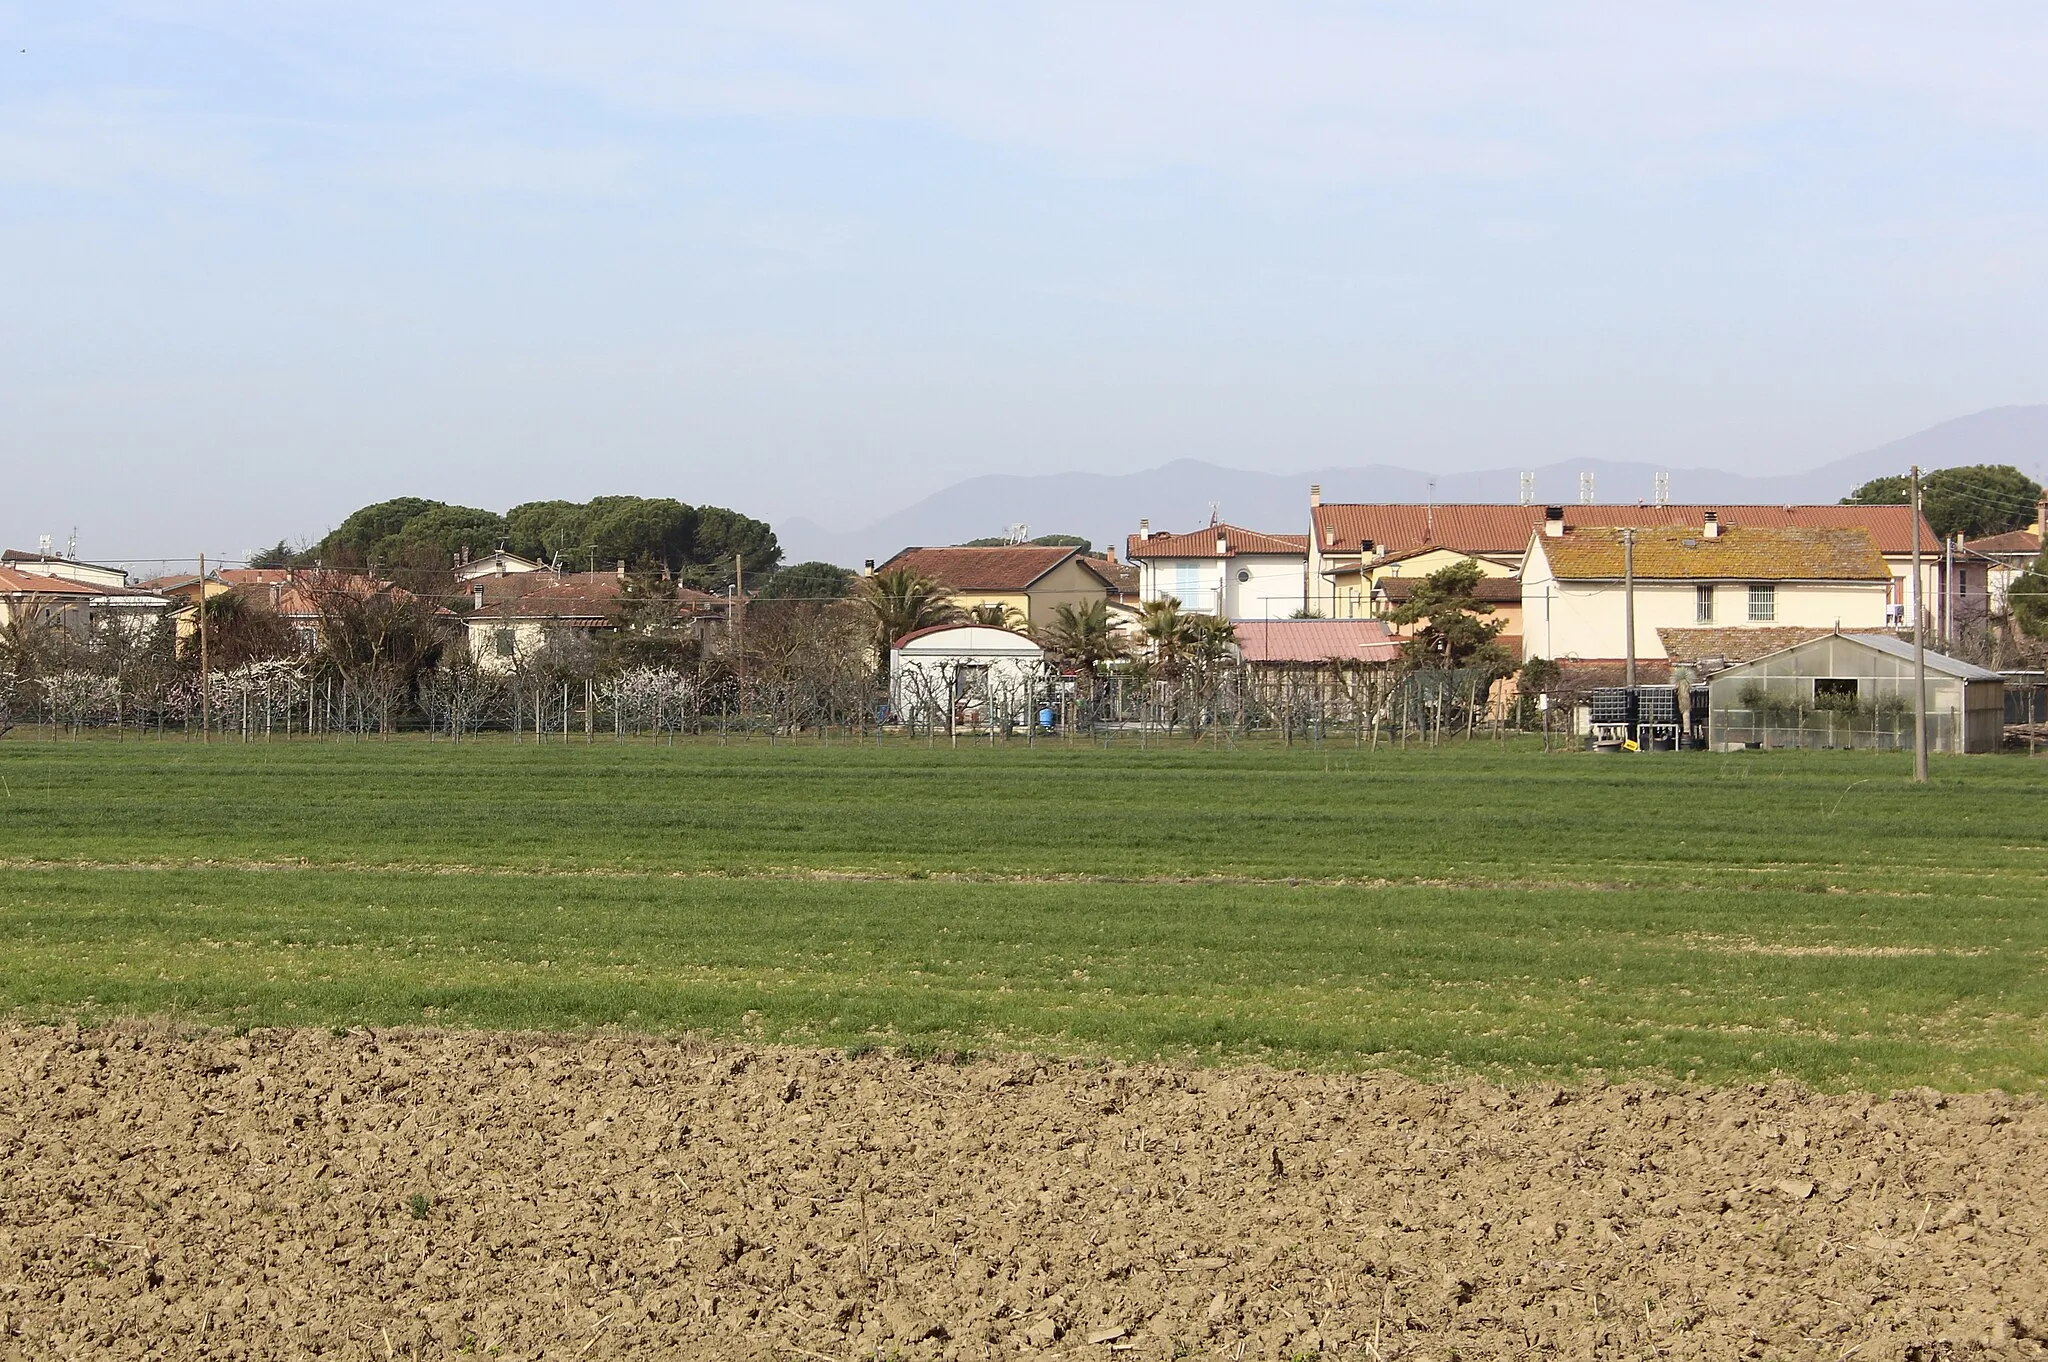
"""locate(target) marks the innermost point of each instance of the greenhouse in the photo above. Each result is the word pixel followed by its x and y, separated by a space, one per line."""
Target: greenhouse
pixel 1853 690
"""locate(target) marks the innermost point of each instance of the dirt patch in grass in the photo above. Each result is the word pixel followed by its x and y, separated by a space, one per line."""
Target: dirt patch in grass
pixel 435 1194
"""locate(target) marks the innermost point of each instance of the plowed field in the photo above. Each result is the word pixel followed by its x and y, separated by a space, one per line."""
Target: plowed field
pixel 168 1193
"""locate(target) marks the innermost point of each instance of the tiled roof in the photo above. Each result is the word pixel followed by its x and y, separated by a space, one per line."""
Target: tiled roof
pixel 2012 541
pixel 1306 641
pixel 1745 554
pixel 1202 543
pixel 254 576
pixel 1120 578
pixel 1493 590
pixel 1731 643
pixel 514 586
pixel 14 582
pixel 1495 528
pixel 1009 567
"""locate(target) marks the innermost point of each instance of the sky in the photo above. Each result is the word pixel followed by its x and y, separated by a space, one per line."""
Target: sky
pixel 265 262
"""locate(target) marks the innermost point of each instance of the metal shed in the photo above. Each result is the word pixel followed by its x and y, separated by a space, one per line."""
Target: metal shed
pixel 1853 690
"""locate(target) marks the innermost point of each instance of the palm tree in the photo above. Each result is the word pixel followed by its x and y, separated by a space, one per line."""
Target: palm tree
pixel 1166 629
pixel 995 615
pixel 1082 637
pixel 902 602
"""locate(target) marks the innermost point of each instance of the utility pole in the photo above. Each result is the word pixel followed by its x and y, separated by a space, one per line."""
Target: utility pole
pixel 1919 648
pixel 205 680
pixel 739 617
pixel 1948 579
pixel 1628 598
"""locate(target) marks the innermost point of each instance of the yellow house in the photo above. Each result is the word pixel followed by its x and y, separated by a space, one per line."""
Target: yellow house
pixel 1352 583
pixel 1034 580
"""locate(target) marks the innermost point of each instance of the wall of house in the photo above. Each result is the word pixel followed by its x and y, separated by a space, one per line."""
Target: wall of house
pixel 1587 619
pixel 1067 584
pixel 1272 588
pixel 1017 601
pixel 528 637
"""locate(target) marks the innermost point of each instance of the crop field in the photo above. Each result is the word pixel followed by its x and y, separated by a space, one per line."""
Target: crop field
pixel 1475 911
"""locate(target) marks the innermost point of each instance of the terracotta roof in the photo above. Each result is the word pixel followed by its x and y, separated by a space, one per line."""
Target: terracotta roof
pixel 1732 643
pixel 2012 541
pixel 1008 567
pixel 1120 578
pixel 1745 554
pixel 515 586
pixel 14 582
pixel 1493 590
pixel 254 576
pixel 1584 674
pixel 1308 641
pixel 1202 543
pixel 1497 528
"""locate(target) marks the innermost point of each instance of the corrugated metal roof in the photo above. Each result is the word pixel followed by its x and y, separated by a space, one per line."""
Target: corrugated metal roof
pixel 1744 554
pixel 1316 641
pixel 1936 662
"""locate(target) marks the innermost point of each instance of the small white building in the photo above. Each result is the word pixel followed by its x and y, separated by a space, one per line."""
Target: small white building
pixel 1575 598
pixel 497 563
pixel 966 676
pixel 1223 570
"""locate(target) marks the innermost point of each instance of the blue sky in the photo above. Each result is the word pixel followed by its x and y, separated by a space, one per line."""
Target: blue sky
pixel 265 262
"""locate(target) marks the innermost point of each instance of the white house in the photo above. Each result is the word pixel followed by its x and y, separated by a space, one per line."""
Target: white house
pixel 1223 570
pixel 966 675
pixel 112 600
pixel 1574 600
pixel 497 563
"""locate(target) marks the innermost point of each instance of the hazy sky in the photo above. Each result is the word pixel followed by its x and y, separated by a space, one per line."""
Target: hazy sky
pixel 265 261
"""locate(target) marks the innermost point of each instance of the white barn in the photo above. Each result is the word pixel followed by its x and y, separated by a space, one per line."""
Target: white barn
pixel 966 676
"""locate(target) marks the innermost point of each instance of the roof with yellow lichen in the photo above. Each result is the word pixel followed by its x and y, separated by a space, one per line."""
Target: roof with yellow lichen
pixel 1740 554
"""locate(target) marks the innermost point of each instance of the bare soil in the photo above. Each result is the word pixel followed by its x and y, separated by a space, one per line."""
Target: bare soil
pixel 431 1194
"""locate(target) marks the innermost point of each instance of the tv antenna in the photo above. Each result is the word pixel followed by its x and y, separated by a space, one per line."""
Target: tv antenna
pixel 1586 488
pixel 1663 493
pixel 1528 489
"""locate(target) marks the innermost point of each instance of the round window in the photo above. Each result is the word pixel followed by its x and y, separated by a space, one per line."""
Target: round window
pixel 1244 574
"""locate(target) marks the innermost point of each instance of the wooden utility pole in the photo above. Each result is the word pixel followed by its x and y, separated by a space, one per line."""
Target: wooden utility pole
pixel 739 615
pixel 1919 647
pixel 1628 599
pixel 205 679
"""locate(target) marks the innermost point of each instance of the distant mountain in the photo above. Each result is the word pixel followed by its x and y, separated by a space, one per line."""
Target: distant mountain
pixel 1106 507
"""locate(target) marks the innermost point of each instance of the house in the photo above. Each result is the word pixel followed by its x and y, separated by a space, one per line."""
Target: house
pixel 1032 579
pixel 497 563
pixel 1348 540
pixel 116 603
pixel 57 602
pixel 514 615
pixel 1985 568
pixel 1222 570
pixel 1853 690
pixel 1575 604
pixel 1390 592
pixel 966 675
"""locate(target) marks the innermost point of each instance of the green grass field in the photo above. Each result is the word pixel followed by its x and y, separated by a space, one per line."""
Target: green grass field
pixel 1470 910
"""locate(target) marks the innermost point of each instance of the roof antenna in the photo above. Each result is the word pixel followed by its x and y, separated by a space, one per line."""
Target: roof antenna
pixel 1528 488
pixel 1429 516
pixel 1586 488
pixel 1214 508
pixel 1663 493
pixel 71 545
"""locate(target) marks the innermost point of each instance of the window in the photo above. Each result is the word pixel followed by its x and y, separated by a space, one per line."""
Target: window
pixel 1763 603
pixel 505 641
pixel 1703 603
pixel 1244 575
pixel 1835 692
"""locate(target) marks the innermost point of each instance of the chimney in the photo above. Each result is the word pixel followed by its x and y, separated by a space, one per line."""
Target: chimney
pixel 1712 529
pixel 1315 494
pixel 1109 552
pixel 500 560
pixel 867 568
pixel 1144 528
pixel 1329 536
pixel 2041 518
pixel 1553 522
pixel 478 596
pixel 622 570
pixel 1222 544
pixel 1366 548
